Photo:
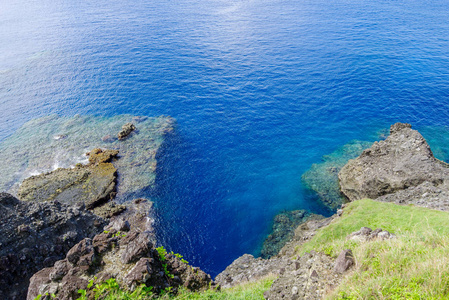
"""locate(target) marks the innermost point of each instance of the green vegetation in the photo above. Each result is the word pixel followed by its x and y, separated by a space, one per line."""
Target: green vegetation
pixel 180 257
pixel 162 252
pixel 110 290
pixel 248 291
pixel 415 265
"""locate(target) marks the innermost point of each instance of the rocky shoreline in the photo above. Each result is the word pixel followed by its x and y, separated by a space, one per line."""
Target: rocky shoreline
pixel 57 232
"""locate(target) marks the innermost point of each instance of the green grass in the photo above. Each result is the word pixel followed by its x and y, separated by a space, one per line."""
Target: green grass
pixel 110 290
pixel 413 266
pixel 248 291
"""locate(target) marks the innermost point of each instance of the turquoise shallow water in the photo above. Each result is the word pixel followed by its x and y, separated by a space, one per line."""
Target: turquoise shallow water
pixel 260 90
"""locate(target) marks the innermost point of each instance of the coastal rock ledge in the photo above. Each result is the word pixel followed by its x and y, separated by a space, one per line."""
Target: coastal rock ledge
pixel 400 169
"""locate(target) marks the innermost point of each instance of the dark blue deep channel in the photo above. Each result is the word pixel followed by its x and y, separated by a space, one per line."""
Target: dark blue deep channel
pixel 261 90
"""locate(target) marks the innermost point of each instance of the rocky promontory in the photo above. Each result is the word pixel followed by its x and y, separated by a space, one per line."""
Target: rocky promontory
pixel 400 169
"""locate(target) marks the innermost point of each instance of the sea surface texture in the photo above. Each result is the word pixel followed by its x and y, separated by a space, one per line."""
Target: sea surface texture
pixel 260 90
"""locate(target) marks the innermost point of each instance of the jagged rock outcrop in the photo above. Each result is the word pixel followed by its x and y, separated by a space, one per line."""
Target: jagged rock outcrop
pixel 284 225
pixel 344 261
pixel 309 277
pixel 400 169
pixel 34 235
pixel 126 130
pixel 128 256
pixel 93 184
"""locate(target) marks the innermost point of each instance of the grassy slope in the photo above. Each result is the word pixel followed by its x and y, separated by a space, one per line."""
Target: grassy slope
pixel 413 266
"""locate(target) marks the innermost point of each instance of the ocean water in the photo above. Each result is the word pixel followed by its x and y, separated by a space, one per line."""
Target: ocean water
pixel 261 90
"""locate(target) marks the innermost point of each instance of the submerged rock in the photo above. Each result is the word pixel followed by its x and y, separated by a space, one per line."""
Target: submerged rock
pixel 35 235
pixel 323 177
pixel 126 130
pixel 32 149
pixel 401 169
pixel 304 233
pixel 120 252
pixel 284 225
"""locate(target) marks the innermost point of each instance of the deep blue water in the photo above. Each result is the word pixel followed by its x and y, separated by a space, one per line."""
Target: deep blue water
pixel 261 90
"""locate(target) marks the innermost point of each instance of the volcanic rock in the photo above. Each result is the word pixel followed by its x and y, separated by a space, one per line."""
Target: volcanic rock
pixel 400 169
pixel 127 256
pixel 35 235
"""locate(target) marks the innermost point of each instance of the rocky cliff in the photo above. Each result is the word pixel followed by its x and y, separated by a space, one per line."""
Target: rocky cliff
pixel 400 169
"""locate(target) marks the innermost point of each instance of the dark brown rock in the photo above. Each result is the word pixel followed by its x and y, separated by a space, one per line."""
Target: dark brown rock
pixel 141 273
pixel 37 281
pixel 126 131
pixel 137 247
pixel 60 269
pixel 344 261
pixel 70 285
pixel 78 251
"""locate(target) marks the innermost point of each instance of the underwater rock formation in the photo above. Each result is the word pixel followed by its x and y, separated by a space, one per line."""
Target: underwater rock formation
pixel 323 177
pixel 401 169
pixel 34 235
pixel 126 130
pixel 46 144
pixel 284 226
